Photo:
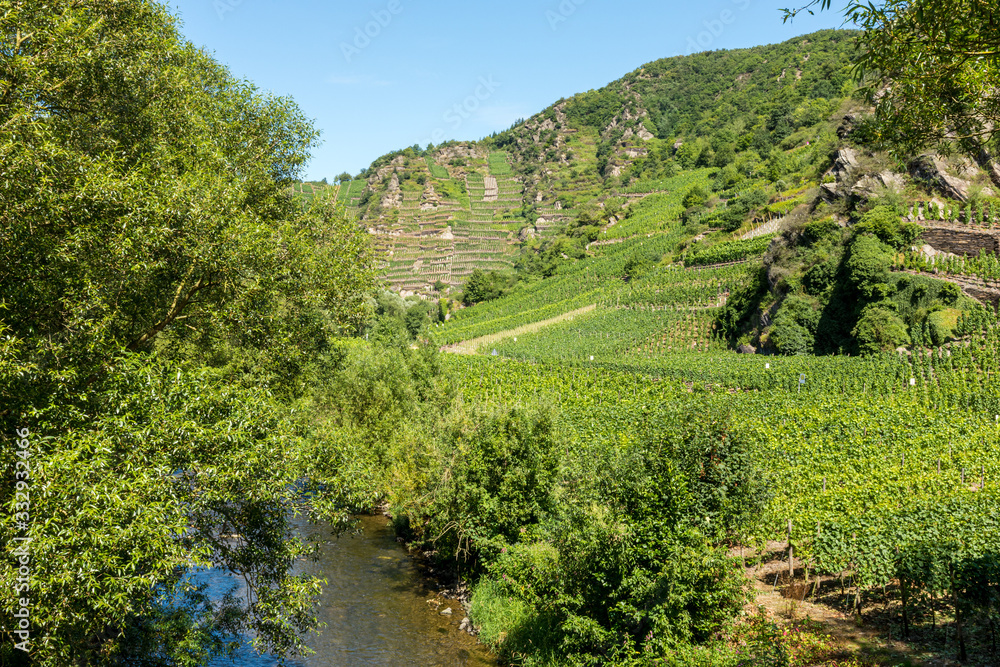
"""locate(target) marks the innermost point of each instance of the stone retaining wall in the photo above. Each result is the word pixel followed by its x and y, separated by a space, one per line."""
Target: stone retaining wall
pixel 961 241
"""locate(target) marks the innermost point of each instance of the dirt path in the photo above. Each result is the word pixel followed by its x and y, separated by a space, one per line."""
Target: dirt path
pixel 472 345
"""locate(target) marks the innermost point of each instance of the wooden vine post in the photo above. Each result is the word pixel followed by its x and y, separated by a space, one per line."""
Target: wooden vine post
pixel 904 593
pixel 791 554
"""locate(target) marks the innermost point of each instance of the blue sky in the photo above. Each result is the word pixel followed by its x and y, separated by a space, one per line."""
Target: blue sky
pixel 379 75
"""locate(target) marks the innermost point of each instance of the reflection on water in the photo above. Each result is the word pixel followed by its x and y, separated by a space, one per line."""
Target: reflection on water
pixel 375 608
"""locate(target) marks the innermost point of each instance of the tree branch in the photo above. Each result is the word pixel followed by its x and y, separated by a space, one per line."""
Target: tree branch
pixel 181 300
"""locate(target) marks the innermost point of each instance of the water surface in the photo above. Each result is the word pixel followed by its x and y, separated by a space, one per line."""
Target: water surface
pixel 375 606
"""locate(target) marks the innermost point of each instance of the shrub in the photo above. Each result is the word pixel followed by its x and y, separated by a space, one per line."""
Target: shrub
pixel 868 264
pixel 950 293
pixel 794 328
pixel 884 222
pixel 499 480
pixel 942 325
pixel 482 286
pixel 696 196
pixel 879 330
pixel 819 278
pixel 820 229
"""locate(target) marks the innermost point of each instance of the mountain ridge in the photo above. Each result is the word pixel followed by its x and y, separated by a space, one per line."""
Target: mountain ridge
pixel 570 157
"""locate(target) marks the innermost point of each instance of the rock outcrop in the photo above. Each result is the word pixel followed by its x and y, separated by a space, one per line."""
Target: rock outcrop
pixel 393 196
pixel 933 169
pixel 870 185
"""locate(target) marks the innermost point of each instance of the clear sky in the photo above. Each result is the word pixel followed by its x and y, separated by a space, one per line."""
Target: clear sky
pixel 380 75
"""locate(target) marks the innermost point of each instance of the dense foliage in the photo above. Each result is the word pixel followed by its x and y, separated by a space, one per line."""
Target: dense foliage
pixel 161 296
pixel 868 467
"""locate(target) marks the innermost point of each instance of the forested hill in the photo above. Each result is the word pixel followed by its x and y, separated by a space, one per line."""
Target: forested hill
pixel 541 189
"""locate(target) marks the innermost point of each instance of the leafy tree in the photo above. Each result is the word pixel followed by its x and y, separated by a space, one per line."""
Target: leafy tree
pixel 885 223
pixel 795 326
pixel 688 154
pixel 931 69
pixel 150 255
pixel 417 318
pixel 482 286
pixel 696 196
pixel 868 264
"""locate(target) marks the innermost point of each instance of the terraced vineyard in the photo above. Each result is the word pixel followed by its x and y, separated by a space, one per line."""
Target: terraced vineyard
pixel 884 469
pixel 440 223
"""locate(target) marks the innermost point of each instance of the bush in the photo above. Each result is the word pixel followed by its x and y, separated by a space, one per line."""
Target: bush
pixel 942 325
pixel 820 229
pixel 482 286
pixel 880 330
pixel 639 265
pixel 819 278
pixel 696 196
pixel 795 325
pixel 629 562
pixel 884 222
pixel 499 480
pixel 868 264
pixel 950 293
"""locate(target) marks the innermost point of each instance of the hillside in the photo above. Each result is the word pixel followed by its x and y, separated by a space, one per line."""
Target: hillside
pixel 737 116
pixel 701 160
pixel 623 259
pixel 685 372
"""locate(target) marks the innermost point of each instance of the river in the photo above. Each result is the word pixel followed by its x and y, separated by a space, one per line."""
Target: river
pixel 375 606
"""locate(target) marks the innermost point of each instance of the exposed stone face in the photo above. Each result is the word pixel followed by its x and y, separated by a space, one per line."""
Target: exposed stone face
pixel 846 160
pixel 845 166
pixel 932 168
pixel 871 184
pixel 461 151
pixel 983 295
pixel 492 191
